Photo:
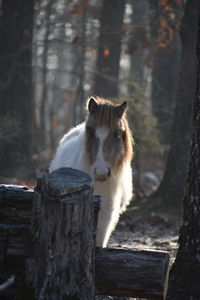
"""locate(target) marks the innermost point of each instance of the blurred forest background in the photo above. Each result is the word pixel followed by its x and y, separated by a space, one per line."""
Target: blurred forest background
pixel 54 54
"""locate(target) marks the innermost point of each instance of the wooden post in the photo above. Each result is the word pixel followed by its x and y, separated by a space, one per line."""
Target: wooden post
pixel 62 229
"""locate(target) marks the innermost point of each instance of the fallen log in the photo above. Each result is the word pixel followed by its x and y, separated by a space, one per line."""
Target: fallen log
pixel 15 204
pixel 15 192
pixel 15 217
pixel 131 273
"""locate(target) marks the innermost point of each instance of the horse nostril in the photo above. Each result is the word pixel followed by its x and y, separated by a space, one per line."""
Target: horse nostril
pixel 102 173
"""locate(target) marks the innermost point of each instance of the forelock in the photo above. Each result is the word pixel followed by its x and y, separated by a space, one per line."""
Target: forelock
pixel 105 113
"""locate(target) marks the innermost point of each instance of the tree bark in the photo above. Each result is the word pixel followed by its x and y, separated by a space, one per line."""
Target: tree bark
pixel 43 134
pixel 137 273
pixel 62 232
pixel 138 43
pixel 15 84
pixel 164 87
pixel 79 51
pixel 185 273
pixel 109 49
pixel 165 74
pixel 171 189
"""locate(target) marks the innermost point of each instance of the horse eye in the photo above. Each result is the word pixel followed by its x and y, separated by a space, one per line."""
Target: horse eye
pixel 117 134
pixel 90 131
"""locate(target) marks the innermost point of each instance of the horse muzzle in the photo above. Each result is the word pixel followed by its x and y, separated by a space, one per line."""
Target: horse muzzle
pixel 102 174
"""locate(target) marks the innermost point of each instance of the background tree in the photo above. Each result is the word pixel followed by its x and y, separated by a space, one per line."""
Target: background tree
pixel 65 47
pixel 16 113
pixel 171 189
pixel 138 42
pixel 166 51
pixel 185 273
pixel 80 43
pixel 109 48
pixel 47 27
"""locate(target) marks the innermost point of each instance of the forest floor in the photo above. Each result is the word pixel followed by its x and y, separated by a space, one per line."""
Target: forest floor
pixel 146 226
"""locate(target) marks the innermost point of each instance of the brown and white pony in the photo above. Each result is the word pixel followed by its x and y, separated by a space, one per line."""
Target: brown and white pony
pixel 102 147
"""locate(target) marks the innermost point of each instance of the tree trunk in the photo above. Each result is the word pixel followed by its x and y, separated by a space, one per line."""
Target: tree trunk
pixel 166 71
pixel 15 84
pixel 164 88
pixel 109 48
pixel 171 189
pixel 137 45
pixel 185 273
pixel 62 233
pixel 80 49
pixel 43 134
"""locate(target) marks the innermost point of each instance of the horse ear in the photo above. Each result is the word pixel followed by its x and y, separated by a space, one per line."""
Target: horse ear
pixel 121 109
pixel 92 105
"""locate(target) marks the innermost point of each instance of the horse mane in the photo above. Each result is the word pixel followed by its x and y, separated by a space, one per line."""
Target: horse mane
pixel 129 142
pixel 106 115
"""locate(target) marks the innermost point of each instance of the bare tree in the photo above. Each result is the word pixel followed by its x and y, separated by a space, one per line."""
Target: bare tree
pixel 15 84
pixel 185 273
pixel 171 189
pixel 138 42
pixel 166 52
pixel 109 48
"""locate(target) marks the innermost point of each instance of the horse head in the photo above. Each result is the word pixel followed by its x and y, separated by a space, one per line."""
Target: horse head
pixel 108 138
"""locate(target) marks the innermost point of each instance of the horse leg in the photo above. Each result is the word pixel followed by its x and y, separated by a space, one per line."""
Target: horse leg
pixel 107 220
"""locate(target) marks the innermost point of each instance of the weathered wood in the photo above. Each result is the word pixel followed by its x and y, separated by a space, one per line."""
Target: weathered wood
pixel 121 272
pixel 15 204
pixel 15 218
pixel 97 205
pixel 15 192
pixel 63 242
pixel 15 215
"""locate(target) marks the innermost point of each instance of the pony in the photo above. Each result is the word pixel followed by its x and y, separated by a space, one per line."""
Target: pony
pixel 102 146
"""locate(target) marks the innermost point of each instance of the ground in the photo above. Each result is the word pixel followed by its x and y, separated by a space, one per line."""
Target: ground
pixel 147 227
